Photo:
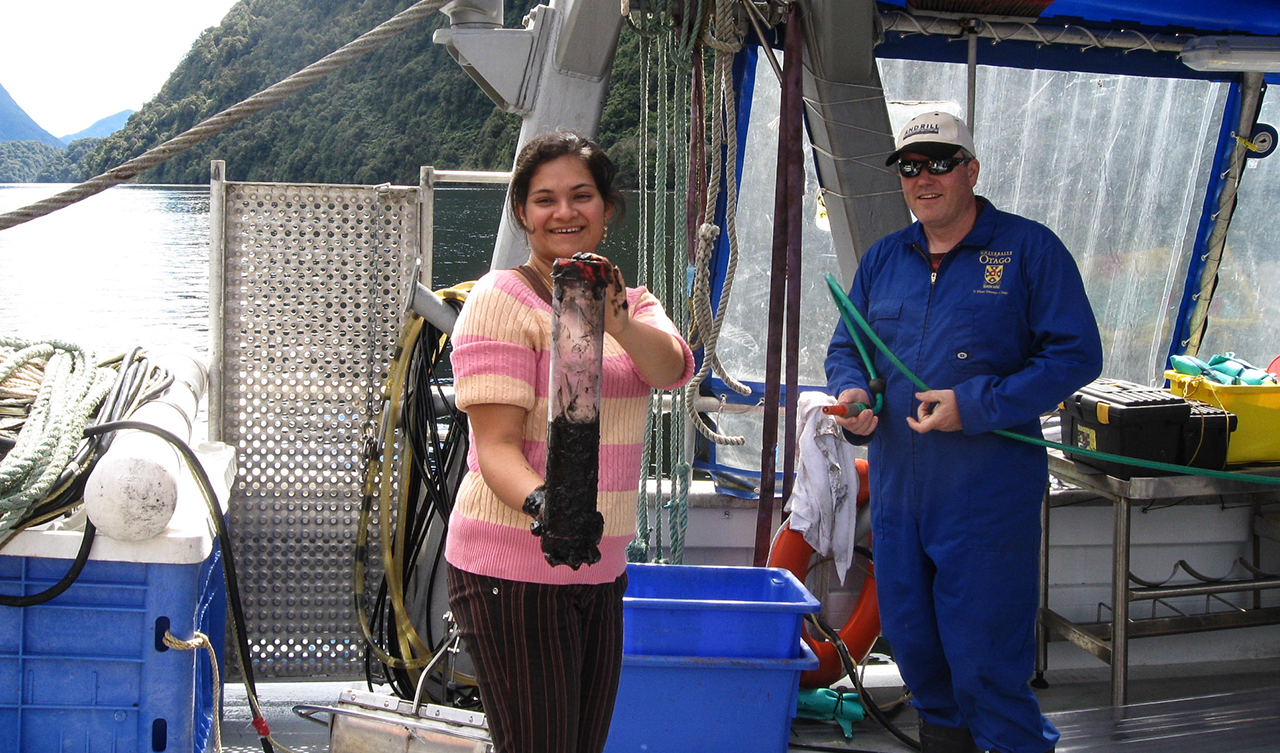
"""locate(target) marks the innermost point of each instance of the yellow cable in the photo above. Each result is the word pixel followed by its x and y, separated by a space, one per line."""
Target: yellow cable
pixel 377 481
pixel 392 553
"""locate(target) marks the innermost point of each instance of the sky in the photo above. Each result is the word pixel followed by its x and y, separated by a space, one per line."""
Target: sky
pixel 70 63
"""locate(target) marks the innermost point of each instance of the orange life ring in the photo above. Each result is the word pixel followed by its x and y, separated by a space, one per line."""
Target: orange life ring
pixel 861 630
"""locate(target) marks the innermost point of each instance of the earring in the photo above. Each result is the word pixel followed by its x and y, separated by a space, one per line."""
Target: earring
pixel 605 237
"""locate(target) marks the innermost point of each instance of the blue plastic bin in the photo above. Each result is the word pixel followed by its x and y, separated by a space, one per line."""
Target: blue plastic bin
pixel 88 670
pixel 690 704
pixel 689 610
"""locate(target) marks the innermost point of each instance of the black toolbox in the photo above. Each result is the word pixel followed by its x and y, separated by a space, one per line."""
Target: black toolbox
pixel 1126 418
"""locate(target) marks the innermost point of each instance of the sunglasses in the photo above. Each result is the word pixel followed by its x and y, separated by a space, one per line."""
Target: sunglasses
pixel 910 168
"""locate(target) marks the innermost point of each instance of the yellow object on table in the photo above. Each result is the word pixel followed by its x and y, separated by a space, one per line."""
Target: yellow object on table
pixel 1257 408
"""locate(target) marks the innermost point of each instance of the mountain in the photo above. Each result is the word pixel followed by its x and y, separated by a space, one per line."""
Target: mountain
pixel 17 125
pixel 102 128
pixel 404 104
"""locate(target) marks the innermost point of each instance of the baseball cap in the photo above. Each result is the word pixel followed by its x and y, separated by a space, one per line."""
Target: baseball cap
pixel 935 135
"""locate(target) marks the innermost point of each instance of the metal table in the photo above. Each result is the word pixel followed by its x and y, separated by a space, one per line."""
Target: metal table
pixel 1109 641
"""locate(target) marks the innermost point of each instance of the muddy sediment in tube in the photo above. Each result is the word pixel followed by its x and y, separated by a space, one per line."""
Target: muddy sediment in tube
pixel 571 526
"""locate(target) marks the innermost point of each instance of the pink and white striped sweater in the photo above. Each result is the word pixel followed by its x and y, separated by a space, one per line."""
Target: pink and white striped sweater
pixel 501 355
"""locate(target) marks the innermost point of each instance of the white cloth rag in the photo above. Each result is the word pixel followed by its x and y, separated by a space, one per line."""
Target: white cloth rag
pixel 823 503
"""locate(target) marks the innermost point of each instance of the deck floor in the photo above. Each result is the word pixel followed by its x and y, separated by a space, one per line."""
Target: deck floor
pixel 1231 707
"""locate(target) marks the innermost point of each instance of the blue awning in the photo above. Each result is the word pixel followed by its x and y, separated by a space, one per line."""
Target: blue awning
pixel 1186 16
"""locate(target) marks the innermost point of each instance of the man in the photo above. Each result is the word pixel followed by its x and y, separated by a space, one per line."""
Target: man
pixel 988 309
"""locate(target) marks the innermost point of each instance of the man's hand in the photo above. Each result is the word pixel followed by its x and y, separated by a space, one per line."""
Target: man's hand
pixel 865 422
pixel 937 412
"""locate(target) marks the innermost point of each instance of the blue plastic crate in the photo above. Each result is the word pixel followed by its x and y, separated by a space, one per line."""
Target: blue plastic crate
pixel 88 670
pixel 691 610
pixel 690 704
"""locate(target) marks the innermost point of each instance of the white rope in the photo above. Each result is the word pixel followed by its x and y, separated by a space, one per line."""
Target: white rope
pixel 724 134
pixel 220 122
pixel 1215 245
pixel 71 388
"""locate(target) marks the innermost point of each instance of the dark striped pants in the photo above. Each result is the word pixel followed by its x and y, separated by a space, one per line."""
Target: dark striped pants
pixel 547 659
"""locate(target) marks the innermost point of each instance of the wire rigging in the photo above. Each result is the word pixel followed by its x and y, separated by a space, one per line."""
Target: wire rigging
pixel 223 120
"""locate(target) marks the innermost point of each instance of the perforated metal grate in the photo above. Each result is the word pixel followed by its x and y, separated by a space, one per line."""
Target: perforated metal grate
pixel 314 281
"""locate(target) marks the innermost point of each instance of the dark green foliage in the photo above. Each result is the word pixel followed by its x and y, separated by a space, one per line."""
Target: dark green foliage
pixel 21 161
pixel 65 166
pixel 403 105
pixel 620 120
pixel 379 118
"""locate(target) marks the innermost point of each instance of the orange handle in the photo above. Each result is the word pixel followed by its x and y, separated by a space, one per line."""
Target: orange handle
pixel 844 409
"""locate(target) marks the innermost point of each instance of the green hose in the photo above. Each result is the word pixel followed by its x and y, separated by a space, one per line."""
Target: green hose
pixel 849 312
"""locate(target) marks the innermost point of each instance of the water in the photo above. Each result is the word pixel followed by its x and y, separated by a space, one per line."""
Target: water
pixel 130 266
pixel 126 267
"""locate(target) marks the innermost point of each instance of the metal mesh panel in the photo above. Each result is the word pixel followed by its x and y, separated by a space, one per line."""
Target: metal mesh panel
pixel 314 286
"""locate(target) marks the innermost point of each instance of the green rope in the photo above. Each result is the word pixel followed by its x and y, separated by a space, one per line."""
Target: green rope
pixel 677 450
pixel 848 311
pixel 639 548
pixel 656 251
pixel 69 394
pixel 663 224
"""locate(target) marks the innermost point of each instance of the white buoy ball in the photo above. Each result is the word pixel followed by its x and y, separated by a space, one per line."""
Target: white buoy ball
pixel 130 498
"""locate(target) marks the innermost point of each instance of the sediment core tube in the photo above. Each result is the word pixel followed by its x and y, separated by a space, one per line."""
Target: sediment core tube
pixel 571 527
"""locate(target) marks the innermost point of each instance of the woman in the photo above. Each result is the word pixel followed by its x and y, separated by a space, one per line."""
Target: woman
pixel 547 641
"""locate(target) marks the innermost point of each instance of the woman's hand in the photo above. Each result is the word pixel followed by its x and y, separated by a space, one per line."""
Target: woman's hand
pixel 617 312
pixel 657 355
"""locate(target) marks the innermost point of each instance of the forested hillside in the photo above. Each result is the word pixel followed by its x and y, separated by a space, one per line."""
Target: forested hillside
pixel 20 161
pixel 405 104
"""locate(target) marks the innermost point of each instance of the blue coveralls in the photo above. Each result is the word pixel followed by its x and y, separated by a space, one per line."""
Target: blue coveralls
pixel 955 516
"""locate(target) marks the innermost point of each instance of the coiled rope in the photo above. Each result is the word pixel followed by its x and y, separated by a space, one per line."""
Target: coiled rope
pixel 223 120
pixel 70 389
pixel 724 129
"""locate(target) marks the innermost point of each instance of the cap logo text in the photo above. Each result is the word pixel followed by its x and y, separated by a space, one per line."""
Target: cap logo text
pixel 916 130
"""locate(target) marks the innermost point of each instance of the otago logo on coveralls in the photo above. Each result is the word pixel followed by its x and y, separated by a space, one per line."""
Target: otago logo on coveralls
pixel 994 262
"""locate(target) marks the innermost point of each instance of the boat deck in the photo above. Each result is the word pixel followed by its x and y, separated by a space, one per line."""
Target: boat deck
pixel 1227 706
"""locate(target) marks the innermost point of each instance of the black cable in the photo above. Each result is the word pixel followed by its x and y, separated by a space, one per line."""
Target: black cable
pixel 435 470
pixel 56 590
pixel 157 390
pixel 121 398
pixel 851 668
pixel 224 543
pixel 131 374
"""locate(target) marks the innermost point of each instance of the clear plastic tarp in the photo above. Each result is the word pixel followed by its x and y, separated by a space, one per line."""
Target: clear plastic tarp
pixel 744 334
pixel 1245 315
pixel 1115 165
